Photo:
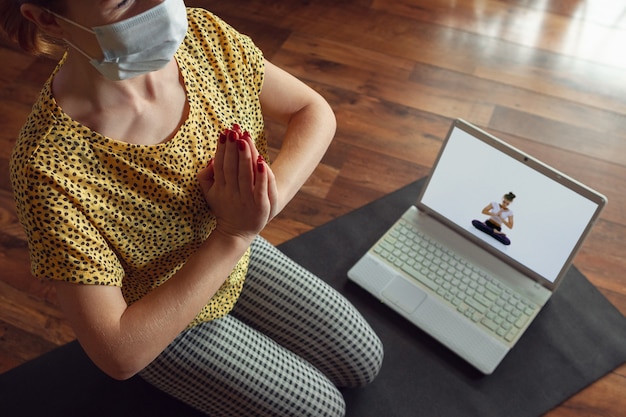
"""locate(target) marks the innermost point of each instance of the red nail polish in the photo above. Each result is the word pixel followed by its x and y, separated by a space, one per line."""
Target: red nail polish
pixel 233 135
pixel 222 137
pixel 241 144
pixel 259 164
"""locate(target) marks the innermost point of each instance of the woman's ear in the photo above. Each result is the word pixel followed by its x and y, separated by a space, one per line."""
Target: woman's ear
pixel 45 20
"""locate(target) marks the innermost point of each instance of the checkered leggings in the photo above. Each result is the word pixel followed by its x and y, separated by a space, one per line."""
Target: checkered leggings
pixel 290 341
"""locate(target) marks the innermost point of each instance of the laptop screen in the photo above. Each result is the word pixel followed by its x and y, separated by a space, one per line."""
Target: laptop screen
pixel 509 202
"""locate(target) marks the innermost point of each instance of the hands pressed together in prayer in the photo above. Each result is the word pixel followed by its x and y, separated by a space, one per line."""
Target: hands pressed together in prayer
pixel 239 186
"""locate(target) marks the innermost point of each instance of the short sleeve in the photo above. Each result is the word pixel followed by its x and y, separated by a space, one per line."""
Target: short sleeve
pixel 63 244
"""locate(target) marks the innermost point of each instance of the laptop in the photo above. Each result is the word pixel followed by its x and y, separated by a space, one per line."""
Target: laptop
pixel 483 249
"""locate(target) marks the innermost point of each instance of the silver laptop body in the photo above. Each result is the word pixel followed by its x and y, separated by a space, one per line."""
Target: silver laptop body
pixel 443 265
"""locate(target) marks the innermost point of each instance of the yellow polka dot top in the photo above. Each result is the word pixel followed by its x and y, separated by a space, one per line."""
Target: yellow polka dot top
pixel 104 212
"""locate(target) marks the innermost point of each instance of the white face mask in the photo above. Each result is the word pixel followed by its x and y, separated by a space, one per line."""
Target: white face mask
pixel 141 44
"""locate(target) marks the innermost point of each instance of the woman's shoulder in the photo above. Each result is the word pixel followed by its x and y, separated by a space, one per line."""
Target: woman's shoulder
pixel 216 53
pixel 216 36
pixel 35 129
pixel 203 24
pixel 200 15
pixel 46 138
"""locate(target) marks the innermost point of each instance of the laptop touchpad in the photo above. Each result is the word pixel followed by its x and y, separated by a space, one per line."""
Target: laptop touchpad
pixel 404 294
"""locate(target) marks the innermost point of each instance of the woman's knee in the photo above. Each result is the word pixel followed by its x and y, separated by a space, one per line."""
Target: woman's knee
pixel 225 368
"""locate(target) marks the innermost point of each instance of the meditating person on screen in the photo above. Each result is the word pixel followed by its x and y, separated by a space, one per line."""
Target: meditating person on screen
pixel 500 214
pixel 142 181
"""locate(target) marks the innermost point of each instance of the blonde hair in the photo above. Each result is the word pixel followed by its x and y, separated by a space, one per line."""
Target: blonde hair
pixel 24 32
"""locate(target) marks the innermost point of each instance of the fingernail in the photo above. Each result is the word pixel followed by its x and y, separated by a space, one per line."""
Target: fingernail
pixel 246 135
pixel 236 127
pixel 241 144
pixel 259 164
pixel 233 135
pixel 222 137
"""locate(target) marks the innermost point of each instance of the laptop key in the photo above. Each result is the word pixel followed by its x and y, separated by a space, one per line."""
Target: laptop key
pixel 490 324
pixel 476 305
pixel 421 278
pixel 522 320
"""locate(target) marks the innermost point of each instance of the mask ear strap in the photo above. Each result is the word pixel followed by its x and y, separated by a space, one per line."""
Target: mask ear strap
pixel 71 22
pixel 78 49
pixel 65 19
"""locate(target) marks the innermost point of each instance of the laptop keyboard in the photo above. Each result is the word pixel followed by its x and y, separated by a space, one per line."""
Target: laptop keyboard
pixel 465 287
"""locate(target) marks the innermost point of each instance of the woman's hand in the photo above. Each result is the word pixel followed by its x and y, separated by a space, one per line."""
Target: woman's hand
pixel 239 186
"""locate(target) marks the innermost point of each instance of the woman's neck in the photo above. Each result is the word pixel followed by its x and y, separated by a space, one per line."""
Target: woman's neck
pixel 112 108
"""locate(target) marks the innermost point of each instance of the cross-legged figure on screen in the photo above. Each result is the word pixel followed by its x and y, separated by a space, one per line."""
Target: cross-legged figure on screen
pixel 499 214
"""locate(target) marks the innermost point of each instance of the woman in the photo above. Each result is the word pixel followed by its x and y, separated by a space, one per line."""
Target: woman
pixel 499 214
pixel 140 179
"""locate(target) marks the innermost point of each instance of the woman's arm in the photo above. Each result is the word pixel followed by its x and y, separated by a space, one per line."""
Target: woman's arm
pixel 508 222
pixel 487 210
pixel 122 339
pixel 310 124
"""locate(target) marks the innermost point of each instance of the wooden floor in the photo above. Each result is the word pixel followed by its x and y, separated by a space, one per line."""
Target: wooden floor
pixel 549 76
